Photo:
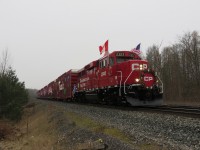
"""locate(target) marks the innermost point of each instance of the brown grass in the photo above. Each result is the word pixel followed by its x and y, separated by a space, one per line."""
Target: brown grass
pixel 5 129
pixel 33 132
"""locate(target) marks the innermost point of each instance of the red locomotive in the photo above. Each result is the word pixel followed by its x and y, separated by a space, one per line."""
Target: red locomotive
pixel 121 77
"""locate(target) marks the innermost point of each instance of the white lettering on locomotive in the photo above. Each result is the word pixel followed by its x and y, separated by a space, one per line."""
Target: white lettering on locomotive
pixel 120 54
pixel 145 66
pixel 103 74
pixel 84 80
pixel 82 85
pixel 135 67
pixel 148 78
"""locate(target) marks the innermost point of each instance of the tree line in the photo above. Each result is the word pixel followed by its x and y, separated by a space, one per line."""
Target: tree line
pixel 13 95
pixel 178 65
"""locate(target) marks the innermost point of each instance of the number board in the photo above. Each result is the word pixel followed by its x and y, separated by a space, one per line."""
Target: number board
pixel 120 54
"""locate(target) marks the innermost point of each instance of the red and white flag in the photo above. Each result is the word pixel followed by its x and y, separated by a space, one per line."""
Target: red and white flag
pixel 104 48
pixel 136 50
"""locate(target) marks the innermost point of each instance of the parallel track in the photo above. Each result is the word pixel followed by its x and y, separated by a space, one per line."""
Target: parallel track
pixel 189 111
pixel 183 110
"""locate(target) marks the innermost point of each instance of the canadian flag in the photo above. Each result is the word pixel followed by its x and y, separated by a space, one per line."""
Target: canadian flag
pixel 103 48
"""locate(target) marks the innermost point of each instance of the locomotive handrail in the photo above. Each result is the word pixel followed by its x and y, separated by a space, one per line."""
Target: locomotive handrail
pixel 120 84
pixel 126 80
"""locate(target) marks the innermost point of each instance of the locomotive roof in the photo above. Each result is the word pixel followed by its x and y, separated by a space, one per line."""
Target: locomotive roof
pixel 114 52
pixel 94 63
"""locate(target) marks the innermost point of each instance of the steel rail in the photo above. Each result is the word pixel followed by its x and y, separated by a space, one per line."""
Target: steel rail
pixel 171 109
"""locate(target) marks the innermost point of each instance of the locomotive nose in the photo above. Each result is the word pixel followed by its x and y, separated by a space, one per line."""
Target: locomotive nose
pixel 149 79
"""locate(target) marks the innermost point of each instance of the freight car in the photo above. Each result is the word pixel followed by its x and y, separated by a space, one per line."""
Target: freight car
pixel 61 88
pixel 121 77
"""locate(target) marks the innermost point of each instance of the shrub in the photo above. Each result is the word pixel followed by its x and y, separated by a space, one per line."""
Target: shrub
pixel 13 95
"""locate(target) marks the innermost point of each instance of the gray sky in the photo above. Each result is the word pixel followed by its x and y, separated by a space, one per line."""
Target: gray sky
pixel 46 38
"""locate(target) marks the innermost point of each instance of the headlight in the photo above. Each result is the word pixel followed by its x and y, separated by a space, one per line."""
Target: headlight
pixel 141 67
pixel 137 80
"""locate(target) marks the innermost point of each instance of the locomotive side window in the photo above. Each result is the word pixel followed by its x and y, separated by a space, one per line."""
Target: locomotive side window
pixel 100 64
pixel 103 63
pixel 123 59
pixel 111 61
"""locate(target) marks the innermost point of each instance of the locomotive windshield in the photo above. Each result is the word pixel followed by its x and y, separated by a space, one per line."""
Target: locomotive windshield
pixel 123 59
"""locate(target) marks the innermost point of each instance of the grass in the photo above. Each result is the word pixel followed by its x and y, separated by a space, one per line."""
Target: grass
pixel 39 134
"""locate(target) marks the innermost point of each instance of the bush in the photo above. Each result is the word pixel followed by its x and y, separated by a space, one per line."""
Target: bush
pixel 13 95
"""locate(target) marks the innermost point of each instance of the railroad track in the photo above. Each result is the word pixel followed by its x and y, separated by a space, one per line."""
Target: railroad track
pixel 181 110
pixel 189 111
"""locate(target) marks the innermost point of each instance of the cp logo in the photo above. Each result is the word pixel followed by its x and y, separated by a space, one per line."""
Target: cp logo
pixel 148 78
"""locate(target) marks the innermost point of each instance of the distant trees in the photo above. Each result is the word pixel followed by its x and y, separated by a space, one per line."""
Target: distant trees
pixel 179 68
pixel 12 92
pixel 154 58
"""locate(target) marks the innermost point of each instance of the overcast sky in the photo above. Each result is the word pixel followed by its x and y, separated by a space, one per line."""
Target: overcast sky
pixel 46 38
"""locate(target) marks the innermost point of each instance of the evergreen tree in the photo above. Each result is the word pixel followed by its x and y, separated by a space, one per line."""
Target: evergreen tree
pixel 13 95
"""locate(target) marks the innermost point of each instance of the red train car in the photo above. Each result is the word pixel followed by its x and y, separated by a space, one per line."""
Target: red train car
pixel 42 93
pixel 61 88
pixel 64 85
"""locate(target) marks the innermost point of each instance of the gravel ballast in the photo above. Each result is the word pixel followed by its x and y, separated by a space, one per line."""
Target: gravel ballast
pixel 169 131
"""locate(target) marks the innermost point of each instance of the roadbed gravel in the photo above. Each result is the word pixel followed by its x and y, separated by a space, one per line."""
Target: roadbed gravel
pixel 144 130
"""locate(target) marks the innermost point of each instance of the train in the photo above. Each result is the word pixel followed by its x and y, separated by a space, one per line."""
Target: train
pixel 118 78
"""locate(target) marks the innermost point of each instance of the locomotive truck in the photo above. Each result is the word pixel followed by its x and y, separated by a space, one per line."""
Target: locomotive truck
pixel 118 78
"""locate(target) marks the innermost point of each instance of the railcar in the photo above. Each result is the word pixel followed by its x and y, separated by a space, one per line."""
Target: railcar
pixel 61 88
pixel 120 77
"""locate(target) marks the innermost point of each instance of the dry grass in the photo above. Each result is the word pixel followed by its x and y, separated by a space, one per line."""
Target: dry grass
pixel 34 132
pixel 5 129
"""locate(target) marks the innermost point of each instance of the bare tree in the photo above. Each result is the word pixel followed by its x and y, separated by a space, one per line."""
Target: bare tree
pixel 179 67
pixel 4 62
pixel 154 58
pixel 190 65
